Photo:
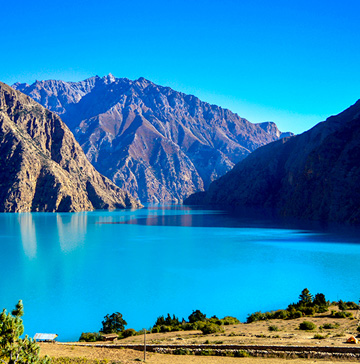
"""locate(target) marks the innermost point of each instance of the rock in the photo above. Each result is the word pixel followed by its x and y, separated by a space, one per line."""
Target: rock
pixel 42 167
pixel 158 144
pixel 315 175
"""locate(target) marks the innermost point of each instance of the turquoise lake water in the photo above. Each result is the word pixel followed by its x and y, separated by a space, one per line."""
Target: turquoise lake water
pixel 71 269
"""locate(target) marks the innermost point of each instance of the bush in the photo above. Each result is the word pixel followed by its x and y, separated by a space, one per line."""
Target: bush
pixel 308 311
pixel 241 354
pixel 256 316
pixel 341 314
pixel 128 332
pixel 330 326
pixel 319 337
pixel 90 337
pixel 307 325
pixel 347 305
pixel 198 325
pixel 228 320
pixel 210 329
pixel 155 330
pixel 321 309
pixel 293 314
pixel 188 326
pixel 182 351
pixel 207 352
pixel 281 314
pixel 358 329
pixel 164 328
pixel 273 328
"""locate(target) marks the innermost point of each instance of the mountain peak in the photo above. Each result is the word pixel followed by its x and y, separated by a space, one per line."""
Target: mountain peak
pixel 157 143
pixel 109 78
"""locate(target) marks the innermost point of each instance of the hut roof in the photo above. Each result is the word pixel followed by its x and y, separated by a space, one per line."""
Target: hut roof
pixel 45 336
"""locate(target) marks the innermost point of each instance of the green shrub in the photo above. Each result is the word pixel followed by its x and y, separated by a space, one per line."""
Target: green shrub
pixel 256 316
pixel 321 309
pixel 90 337
pixel 241 354
pixel 330 326
pixel 155 329
pixel 164 328
pixel 210 329
pixel 273 328
pixel 128 332
pixel 307 325
pixel 341 314
pixel 182 351
pixel 319 337
pixel 198 325
pixel 188 326
pixel 281 314
pixel 228 320
pixel 294 314
pixel 308 311
pixel 207 352
pixel 352 305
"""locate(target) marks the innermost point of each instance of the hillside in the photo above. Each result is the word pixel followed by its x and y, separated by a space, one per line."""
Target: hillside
pixel 315 175
pixel 42 167
pixel 156 143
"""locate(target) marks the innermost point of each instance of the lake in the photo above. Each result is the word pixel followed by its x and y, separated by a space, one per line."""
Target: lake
pixel 71 269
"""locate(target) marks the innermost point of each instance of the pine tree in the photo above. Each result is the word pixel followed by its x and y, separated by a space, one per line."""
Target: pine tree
pixel 13 349
pixel 305 298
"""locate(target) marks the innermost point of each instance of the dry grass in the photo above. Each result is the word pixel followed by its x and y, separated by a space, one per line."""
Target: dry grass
pixel 256 333
pixel 126 356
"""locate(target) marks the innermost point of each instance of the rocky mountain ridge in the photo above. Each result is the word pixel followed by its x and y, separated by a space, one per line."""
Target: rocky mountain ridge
pixel 156 143
pixel 314 175
pixel 42 167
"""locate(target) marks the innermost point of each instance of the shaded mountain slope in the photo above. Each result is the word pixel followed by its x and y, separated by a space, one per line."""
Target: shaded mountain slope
pixel 156 143
pixel 42 167
pixel 315 175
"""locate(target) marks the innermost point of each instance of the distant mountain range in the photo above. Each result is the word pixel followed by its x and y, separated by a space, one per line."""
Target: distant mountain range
pixel 158 144
pixel 42 167
pixel 315 175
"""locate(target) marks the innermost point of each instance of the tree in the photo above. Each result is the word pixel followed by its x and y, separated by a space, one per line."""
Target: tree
pixel 197 316
pixel 113 323
pixel 320 300
pixel 305 298
pixel 168 321
pixel 13 349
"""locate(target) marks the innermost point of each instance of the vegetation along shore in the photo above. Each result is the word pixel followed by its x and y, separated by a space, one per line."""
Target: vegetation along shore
pixel 311 328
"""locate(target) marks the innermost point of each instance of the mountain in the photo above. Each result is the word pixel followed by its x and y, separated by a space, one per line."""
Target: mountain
pixel 42 167
pixel 156 143
pixel 315 175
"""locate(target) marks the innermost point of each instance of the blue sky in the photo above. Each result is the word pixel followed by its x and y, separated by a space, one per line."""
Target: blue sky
pixel 292 62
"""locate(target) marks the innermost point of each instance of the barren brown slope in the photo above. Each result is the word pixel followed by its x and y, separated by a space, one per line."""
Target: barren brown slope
pixel 159 144
pixel 42 167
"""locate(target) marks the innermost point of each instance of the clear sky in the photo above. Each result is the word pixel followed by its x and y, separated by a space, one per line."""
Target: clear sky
pixel 289 61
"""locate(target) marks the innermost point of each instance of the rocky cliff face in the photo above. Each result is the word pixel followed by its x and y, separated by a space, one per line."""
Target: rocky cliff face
pixel 42 167
pixel 156 143
pixel 315 175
